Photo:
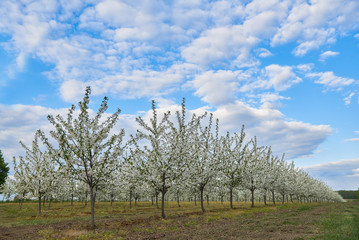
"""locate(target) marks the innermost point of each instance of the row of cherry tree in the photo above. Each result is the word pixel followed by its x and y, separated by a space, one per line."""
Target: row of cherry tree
pixel 175 155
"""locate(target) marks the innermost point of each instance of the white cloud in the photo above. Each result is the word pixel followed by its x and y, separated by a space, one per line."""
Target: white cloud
pixel 313 24
pixel 271 128
pixel 325 55
pixel 348 99
pixel 352 140
pixel 274 76
pixel 216 88
pixel 72 91
pixel 305 68
pixel 341 175
pixel 330 80
pixel 263 53
pixel 115 43
pixel 271 100
pixel 220 46
pixel 281 77
pixel 116 13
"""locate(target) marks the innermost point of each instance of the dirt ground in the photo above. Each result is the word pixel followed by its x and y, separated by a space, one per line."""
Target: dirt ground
pixel 300 223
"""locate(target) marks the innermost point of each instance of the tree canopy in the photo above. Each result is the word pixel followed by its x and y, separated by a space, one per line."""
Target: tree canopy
pixel 4 169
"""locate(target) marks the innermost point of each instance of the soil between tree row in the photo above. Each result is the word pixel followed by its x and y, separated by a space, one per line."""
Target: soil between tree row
pixel 292 223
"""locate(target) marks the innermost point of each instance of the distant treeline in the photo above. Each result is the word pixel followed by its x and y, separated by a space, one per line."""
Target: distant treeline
pixel 348 194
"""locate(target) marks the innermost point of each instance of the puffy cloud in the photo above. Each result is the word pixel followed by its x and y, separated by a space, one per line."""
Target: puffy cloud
pixel 274 76
pixel 327 54
pixel 217 87
pixel 313 24
pixel 221 44
pixel 330 80
pixel 281 77
pixel 269 125
pixel 341 175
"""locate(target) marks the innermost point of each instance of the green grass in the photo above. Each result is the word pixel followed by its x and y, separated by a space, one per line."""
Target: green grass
pixel 64 221
pixel 342 223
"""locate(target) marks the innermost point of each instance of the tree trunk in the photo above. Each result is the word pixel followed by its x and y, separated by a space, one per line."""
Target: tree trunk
pixel 222 199
pixel 72 199
pixel 230 197
pixel 273 198
pixel 202 207
pixel 86 198
pixel 48 207
pixel 111 199
pixel 92 196
pixel 178 200
pixel 282 198
pixel 157 199
pixel 195 200
pixel 252 198
pixel 265 197
pixel 163 205
pixel 207 199
pixel 130 199
pixel 39 205
pixel 43 201
pixel 164 190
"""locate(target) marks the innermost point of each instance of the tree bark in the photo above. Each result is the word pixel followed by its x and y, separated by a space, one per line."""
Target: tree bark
pixel 178 200
pixel 252 198
pixel 163 195
pixel 230 197
pixel 157 199
pixel 265 197
pixel 39 205
pixel 130 199
pixel 86 198
pixel 92 196
pixel 273 198
pixel 163 205
pixel 48 207
pixel 202 207
pixel 282 198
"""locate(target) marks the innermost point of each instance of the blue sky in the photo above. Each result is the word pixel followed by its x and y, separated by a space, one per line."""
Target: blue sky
pixel 288 69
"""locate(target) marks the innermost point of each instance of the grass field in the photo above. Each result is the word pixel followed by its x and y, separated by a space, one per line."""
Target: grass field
pixel 287 221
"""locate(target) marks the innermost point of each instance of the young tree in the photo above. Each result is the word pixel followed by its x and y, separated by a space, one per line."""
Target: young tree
pixel 251 175
pixel 4 170
pixel 85 146
pixel 231 160
pixel 164 160
pixel 204 161
pixel 37 170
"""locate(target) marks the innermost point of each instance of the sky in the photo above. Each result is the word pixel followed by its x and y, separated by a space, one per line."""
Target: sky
pixel 288 70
